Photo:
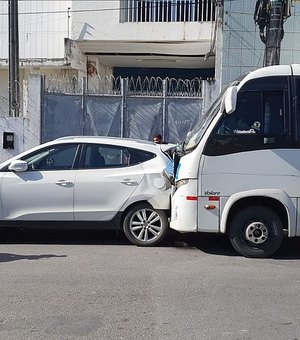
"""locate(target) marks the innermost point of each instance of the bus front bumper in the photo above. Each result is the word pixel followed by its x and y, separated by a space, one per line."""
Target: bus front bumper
pixel 184 207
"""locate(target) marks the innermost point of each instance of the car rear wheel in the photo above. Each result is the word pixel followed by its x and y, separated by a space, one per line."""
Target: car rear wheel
pixel 145 226
pixel 256 231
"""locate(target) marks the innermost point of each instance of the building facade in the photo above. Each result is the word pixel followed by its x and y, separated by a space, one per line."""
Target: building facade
pixel 129 38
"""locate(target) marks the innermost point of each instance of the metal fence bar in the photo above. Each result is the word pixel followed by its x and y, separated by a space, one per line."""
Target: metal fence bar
pixel 202 11
pixel 83 96
pixel 124 90
pixel 164 118
pixel 167 10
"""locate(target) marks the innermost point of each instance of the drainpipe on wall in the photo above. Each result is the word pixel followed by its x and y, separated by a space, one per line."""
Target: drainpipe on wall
pixel 14 78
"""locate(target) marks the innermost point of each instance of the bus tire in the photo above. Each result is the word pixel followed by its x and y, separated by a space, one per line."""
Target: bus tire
pixel 256 231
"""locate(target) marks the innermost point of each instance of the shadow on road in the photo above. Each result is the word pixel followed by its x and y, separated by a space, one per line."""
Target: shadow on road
pixel 56 236
pixel 208 243
pixel 289 250
pixel 216 244
pixel 6 257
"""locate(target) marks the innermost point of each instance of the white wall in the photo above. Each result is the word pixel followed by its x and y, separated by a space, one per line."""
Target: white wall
pixel 41 28
pixel 4 107
pixel 100 20
pixel 27 131
pixel 15 125
pixel 26 135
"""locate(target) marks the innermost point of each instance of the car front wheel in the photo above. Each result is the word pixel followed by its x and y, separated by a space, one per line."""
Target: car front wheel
pixel 145 226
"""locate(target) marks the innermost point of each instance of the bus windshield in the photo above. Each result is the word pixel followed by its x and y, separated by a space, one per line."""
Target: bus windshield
pixel 193 138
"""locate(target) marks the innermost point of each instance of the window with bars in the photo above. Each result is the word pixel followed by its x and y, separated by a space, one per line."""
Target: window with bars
pixel 167 10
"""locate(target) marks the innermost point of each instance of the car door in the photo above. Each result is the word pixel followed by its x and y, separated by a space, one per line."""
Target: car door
pixel 107 177
pixel 45 190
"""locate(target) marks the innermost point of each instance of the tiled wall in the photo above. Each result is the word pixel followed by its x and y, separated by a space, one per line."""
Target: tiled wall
pixel 243 50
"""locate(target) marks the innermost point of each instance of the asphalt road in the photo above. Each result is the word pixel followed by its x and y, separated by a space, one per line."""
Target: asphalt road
pixel 95 285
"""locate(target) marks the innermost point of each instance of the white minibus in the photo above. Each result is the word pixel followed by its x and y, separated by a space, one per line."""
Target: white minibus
pixel 239 168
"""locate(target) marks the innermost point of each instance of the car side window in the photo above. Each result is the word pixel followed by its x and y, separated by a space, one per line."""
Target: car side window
pixel 93 157
pixel 56 157
pixel 140 156
pixel 97 156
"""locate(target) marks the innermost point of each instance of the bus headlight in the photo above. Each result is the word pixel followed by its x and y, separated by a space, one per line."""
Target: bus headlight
pixel 181 182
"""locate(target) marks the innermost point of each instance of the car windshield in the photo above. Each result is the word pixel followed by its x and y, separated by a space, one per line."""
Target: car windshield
pixel 193 138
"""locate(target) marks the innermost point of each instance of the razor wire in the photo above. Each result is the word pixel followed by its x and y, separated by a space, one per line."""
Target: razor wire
pixel 23 104
pixel 117 86
pixel 62 84
pixel 111 86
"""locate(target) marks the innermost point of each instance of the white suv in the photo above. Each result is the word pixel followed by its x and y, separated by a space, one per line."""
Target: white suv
pixel 109 182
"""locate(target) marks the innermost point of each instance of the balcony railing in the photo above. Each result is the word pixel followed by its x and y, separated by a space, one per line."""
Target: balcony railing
pixel 167 10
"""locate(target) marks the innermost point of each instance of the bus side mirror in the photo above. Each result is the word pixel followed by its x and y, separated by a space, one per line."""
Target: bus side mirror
pixel 230 97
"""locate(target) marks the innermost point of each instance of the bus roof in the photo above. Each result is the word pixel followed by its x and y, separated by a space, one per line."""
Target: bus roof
pixel 271 71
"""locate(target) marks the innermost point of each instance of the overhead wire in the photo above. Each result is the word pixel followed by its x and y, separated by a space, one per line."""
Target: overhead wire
pixel 101 9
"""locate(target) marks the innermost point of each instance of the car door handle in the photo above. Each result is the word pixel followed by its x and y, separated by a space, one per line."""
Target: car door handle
pixel 64 183
pixel 129 182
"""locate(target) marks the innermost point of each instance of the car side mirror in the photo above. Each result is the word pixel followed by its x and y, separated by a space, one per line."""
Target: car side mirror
pixel 18 166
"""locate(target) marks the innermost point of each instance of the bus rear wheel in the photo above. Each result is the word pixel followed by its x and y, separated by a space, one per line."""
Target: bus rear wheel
pixel 256 231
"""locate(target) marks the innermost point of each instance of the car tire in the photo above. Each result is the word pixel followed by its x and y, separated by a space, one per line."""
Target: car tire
pixel 256 231
pixel 145 226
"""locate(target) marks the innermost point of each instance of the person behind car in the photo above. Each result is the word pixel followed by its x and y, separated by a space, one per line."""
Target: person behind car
pixel 158 139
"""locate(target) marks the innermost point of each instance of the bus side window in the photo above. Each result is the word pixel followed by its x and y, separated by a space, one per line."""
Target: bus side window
pixel 275 115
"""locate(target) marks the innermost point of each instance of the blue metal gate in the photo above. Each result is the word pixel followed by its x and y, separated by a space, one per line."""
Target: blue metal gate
pixel 121 107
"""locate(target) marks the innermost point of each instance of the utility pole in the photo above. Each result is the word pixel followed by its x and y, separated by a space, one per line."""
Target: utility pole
pixel 274 33
pixel 14 78
pixel 269 16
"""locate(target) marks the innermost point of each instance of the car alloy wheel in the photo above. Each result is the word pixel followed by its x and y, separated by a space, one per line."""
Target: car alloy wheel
pixel 145 226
